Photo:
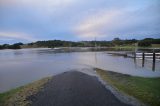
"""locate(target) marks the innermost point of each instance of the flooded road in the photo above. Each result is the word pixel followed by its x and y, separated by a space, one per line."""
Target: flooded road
pixel 19 67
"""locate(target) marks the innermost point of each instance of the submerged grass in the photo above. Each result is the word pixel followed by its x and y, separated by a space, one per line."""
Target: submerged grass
pixel 146 90
pixel 18 96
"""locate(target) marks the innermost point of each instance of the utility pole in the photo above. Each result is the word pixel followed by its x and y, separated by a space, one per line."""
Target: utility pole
pixel 95 45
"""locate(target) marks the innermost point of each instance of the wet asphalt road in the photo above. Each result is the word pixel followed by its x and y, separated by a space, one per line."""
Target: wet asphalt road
pixel 74 89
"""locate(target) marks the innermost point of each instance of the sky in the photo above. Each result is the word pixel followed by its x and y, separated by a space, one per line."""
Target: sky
pixel 76 20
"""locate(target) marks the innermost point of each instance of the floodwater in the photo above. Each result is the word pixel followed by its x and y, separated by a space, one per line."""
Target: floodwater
pixel 19 67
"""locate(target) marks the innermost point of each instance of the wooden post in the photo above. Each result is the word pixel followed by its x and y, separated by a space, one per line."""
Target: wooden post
pixel 143 59
pixel 134 57
pixel 154 61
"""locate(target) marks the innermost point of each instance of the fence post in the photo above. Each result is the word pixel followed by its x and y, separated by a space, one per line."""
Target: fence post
pixel 134 54
pixel 154 61
pixel 143 59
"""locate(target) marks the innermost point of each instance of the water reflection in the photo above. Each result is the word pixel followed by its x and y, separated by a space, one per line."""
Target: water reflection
pixel 151 63
pixel 18 67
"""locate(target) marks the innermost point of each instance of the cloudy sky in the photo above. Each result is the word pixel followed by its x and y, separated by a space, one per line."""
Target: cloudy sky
pixel 32 20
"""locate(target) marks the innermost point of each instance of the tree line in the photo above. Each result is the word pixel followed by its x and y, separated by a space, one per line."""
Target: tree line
pixel 13 46
pixel 60 43
pixel 115 42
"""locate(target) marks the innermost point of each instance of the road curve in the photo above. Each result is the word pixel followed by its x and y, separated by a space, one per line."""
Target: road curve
pixel 74 89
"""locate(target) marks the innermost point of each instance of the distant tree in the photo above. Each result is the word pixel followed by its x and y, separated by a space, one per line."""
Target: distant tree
pixel 153 41
pixel 156 41
pixel 148 39
pixel 1 47
pixel 117 41
pixel 129 42
pixel 19 43
pixel 30 44
pixel 5 46
pixel 148 42
pixel 16 46
pixel 144 43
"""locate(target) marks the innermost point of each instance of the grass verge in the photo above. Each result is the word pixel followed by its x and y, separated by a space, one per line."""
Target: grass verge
pixel 146 90
pixel 18 96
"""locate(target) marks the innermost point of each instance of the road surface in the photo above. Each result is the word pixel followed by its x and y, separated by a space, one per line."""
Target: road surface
pixel 74 89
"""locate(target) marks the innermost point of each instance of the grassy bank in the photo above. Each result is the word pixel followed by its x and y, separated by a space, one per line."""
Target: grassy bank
pixel 146 90
pixel 132 47
pixel 156 45
pixel 18 96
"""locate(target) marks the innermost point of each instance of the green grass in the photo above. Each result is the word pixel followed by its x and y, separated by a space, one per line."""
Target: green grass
pixel 18 96
pixel 156 45
pixel 126 46
pixel 5 96
pixel 146 90
pixel 132 47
